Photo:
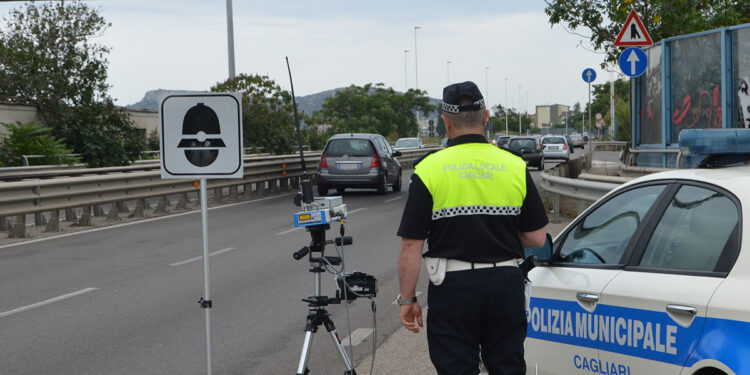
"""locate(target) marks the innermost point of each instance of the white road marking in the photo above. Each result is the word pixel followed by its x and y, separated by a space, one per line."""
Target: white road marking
pixel 201 257
pixel 395 199
pixel 47 302
pixel 289 231
pixel 357 210
pixel 395 301
pixel 137 222
pixel 357 336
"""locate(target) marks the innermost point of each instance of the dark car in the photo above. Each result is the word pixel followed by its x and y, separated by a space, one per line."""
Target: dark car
pixel 358 161
pixel 529 149
pixel 502 141
pixel 571 146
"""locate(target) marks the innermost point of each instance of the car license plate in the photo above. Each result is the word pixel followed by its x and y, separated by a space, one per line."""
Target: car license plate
pixel 347 165
pixel 554 148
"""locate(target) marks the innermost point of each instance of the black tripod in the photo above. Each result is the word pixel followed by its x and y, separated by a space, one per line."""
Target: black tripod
pixel 317 314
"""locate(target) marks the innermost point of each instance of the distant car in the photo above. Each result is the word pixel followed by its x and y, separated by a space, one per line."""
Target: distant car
pixel 529 149
pixel 358 161
pixel 570 143
pixel 408 144
pixel 502 141
pixel 577 140
pixel 444 142
pixel 555 147
pixel 497 137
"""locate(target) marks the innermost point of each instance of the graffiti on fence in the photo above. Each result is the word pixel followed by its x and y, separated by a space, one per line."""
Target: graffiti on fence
pixel 743 102
pixel 703 112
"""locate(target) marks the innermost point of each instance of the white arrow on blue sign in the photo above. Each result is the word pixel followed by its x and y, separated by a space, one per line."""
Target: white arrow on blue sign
pixel 633 62
pixel 589 75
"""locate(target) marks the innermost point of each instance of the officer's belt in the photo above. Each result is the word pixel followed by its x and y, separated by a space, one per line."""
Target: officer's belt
pixel 460 265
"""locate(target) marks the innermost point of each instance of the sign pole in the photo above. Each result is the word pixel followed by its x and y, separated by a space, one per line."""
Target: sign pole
pixel 589 110
pixel 206 301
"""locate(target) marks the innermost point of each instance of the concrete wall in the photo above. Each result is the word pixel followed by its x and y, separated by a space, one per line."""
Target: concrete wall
pixel 12 113
pixel 147 120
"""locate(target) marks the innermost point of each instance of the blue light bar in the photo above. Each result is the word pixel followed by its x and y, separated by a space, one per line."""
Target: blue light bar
pixel 714 141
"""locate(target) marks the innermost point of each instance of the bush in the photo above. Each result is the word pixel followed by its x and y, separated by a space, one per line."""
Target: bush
pixel 33 139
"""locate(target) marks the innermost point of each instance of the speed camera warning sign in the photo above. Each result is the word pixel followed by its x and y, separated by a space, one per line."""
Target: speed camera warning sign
pixel 201 136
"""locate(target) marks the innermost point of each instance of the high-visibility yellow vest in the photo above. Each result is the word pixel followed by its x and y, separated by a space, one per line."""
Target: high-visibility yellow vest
pixel 474 179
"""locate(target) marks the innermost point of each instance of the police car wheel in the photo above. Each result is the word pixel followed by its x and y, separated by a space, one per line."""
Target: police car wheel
pixel 340 190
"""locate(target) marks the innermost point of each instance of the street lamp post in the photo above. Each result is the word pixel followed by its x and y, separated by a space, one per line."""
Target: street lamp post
pixel 448 72
pixel 506 106
pixel 416 65
pixel 519 109
pixel 230 38
pixel 406 74
pixel 486 101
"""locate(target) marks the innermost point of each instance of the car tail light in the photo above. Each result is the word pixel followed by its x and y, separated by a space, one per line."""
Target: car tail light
pixel 375 161
pixel 323 162
pixel 565 146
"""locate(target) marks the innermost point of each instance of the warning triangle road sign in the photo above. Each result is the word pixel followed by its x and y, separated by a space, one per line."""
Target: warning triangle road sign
pixel 633 33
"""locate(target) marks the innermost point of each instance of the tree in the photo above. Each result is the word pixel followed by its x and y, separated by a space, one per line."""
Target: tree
pixel 372 108
pixel 662 18
pixel 440 127
pixel 601 104
pixel 32 139
pixel 267 113
pixel 47 59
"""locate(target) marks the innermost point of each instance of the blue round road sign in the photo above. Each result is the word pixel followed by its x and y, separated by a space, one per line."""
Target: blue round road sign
pixel 589 75
pixel 633 62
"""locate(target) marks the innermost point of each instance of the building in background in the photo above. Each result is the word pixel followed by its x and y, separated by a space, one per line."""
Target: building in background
pixel 548 115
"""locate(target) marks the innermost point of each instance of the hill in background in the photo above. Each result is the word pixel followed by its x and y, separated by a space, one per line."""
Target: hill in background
pixel 307 104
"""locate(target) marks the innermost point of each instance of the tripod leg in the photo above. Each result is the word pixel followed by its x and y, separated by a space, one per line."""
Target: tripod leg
pixel 336 341
pixel 302 367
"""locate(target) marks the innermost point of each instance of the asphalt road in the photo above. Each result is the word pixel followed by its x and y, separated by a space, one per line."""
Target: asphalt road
pixel 124 299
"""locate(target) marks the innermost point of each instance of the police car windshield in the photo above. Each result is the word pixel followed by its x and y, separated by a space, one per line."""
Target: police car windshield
pixel 350 147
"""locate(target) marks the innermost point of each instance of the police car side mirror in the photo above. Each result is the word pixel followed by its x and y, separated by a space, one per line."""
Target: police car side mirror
pixel 543 254
pixel 397 153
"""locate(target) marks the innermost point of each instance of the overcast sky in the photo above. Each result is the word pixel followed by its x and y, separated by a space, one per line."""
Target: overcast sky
pixel 171 44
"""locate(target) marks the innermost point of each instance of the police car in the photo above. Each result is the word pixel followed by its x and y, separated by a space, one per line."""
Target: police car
pixel 654 278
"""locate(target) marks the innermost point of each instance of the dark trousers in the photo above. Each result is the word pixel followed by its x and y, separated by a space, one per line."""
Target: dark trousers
pixel 477 308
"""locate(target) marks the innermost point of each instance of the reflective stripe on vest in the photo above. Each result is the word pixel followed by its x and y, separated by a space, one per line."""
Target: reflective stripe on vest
pixel 474 179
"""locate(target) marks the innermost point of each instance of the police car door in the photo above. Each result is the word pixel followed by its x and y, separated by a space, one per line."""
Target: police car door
pixel 561 336
pixel 654 310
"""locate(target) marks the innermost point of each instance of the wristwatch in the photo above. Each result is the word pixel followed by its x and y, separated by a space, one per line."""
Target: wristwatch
pixel 406 301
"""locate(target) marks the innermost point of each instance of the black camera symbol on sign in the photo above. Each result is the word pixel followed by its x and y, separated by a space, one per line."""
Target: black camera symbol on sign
pixel 199 123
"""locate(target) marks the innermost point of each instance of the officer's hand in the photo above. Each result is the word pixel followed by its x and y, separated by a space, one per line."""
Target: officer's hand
pixel 408 314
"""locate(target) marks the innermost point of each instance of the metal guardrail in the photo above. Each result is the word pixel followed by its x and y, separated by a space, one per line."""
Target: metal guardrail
pixel 89 189
pixel 584 192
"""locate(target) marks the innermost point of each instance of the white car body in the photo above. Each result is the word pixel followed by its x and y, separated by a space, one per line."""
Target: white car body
pixel 654 310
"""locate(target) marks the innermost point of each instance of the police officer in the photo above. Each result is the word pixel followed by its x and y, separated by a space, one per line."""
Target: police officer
pixel 478 208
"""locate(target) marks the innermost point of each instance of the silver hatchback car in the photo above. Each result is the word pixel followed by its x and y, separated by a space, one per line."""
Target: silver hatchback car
pixel 555 147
